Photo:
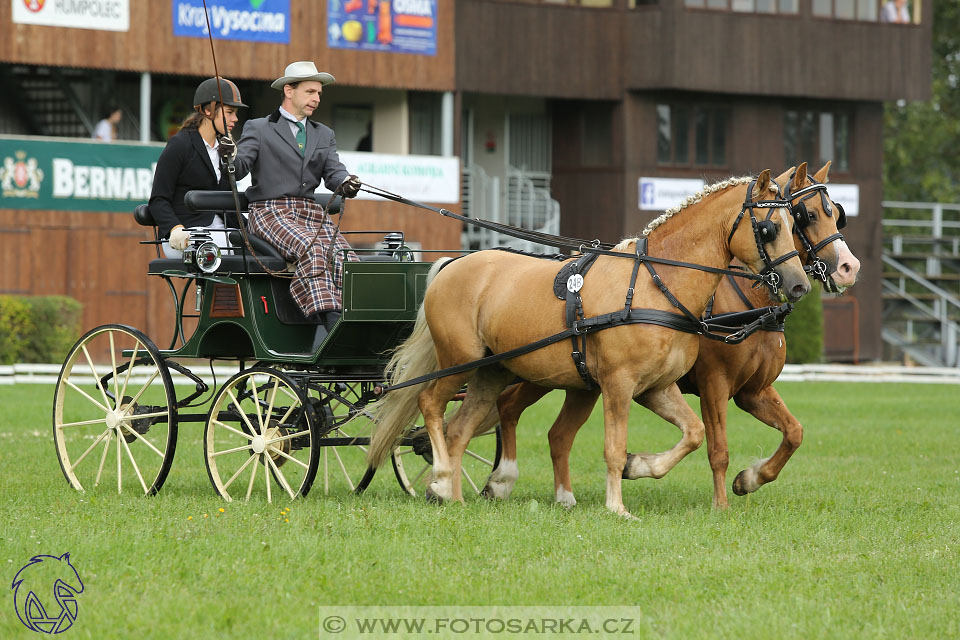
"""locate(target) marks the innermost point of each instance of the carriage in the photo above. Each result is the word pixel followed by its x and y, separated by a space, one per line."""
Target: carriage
pixel 280 417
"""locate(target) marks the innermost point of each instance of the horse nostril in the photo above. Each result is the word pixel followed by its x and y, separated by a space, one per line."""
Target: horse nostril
pixel 800 290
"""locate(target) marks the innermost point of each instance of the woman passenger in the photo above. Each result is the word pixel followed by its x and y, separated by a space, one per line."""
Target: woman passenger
pixel 190 161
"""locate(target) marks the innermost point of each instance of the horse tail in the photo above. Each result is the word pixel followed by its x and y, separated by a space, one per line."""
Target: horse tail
pixel 415 357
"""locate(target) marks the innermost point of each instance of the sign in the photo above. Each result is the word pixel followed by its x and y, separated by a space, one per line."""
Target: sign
pixel 251 20
pixel 62 175
pixel 102 15
pixel 659 194
pixel 395 26
pixel 847 195
pixel 434 179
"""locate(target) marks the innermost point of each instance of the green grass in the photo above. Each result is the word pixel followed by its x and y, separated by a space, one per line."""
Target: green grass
pixel 857 539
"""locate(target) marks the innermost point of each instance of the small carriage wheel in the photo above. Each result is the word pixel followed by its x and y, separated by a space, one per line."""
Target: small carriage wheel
pixel 105 397
pixel 260 433
pixel 413 460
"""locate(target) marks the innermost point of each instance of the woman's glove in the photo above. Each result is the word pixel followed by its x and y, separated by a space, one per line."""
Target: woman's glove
pixel 350 187
pixel 179 237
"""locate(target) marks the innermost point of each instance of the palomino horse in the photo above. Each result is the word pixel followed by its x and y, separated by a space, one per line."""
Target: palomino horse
pixel 722 371
pixel 496 301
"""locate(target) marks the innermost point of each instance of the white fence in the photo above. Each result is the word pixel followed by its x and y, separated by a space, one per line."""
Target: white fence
pixel 47 374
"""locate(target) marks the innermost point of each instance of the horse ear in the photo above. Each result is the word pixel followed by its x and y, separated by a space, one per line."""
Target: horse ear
pixel 763 183
pixel 821 175
pixel 799 177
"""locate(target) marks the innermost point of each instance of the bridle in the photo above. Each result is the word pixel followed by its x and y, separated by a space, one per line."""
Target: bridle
pixel 803 218
pixel 765 231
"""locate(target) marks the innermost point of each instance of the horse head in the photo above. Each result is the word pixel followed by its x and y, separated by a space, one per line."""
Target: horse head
pixel 764 242
pixel 817 220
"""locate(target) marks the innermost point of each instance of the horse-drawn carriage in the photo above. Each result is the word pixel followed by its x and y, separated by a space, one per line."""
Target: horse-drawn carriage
pixel 280 418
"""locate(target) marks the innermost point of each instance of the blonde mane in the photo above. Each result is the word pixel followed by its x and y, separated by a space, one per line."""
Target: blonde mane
pixel 689 200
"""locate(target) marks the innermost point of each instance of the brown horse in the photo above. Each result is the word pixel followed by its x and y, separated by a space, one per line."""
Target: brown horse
pixel 722 371
pixel 495 301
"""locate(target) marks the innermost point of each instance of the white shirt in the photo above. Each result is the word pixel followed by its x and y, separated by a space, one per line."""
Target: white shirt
pixel 293 122
pixel 214 155
pixel 103 131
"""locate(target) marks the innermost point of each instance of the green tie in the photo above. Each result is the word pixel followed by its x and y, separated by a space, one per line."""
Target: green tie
pixel 301 136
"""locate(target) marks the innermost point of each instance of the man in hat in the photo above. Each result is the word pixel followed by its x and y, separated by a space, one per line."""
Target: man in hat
pixel 288 155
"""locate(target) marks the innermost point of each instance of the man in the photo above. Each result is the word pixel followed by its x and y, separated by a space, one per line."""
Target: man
pixel 288 155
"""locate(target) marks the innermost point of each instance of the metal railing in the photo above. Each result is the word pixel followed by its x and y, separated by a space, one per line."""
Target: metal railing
pixel 927 234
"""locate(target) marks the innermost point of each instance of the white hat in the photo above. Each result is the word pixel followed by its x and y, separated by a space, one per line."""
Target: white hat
pixel 301 72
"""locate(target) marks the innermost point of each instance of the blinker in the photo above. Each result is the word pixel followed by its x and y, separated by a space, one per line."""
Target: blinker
pixel 767 230
pixel 841 216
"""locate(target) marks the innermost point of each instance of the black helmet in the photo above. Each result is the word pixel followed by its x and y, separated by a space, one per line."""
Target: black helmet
pixel 207 93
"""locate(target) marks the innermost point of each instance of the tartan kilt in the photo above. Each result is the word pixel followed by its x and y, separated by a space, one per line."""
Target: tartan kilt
pixel 290 224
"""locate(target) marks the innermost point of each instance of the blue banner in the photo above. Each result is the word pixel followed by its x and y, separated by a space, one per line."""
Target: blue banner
pixel 396 26
pixel 253 20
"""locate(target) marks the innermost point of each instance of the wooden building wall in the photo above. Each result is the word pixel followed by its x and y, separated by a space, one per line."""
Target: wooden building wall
pixel 150 45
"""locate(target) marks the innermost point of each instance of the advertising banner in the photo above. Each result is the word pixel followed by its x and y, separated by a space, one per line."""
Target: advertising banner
pixel 395 26
pixel 659 194
pixel 63 175
pixel 252 20
pixel 848 195
pixel 102 15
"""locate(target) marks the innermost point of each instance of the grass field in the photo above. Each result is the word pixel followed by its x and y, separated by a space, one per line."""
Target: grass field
pixel 858 538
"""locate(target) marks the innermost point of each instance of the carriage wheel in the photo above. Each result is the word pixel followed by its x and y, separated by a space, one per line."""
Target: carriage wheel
pixel 107 396
pixel 344 441
pixel 413 459
pixel 259 433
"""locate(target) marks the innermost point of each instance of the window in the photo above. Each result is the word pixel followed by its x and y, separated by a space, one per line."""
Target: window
pixel 692 135
pixel 816 137
pixel 424 123
pixel 869 10
pixel 748 6
pixel 596 145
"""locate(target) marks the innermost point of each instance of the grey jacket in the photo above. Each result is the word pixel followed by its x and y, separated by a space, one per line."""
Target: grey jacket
pixel 268 150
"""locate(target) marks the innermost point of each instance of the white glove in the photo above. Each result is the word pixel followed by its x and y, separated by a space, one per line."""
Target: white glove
pixel 179 238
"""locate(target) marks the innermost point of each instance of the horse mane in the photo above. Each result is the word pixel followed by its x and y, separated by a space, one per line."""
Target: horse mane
pixel 689 200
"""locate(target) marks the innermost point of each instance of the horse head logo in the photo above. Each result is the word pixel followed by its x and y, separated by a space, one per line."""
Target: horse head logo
pixel 43 581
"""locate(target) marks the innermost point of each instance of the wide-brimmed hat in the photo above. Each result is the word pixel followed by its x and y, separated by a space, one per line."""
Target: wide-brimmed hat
pixel 301 72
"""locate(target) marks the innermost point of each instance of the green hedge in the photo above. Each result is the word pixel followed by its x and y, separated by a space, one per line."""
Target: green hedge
pixel 804 329
pixel 38 329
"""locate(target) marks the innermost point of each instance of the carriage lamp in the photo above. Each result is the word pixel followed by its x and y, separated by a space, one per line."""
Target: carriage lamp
pixel 208 257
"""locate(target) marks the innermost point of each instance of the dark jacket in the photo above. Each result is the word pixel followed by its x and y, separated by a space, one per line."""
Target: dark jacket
pixel 268 150
pixel 184 165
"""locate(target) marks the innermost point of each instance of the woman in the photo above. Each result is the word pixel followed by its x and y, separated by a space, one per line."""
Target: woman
pixel 190 161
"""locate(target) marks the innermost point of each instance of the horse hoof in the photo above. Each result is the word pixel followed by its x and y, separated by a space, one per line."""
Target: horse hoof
pixel 630 458
pixel 432 497
pixel 739 486
pixel 488 493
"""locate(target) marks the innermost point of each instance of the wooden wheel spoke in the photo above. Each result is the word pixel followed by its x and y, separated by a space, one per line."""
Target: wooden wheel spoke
pixel 113 362
pixel 280 478
pixel 256 403
pixel 470 480
pixel 344 469
pixel 140 416
pixel 289 457
pixel 420 475
pixel 119 464
pixel 266 476
pixel 478 457
pixel 240 410
pixel 226 485
pixel 90 448
pixel 96 376
pixel 216 454
pixel 144 387
pixel 134 463
pixel 288 437
pixel 126 378
pixel 87 396
pixel 83 423
pixel 232 430
pixel 253 476
pixel 103 459
pixel 355 438
pixel 273 397
pixel 140 437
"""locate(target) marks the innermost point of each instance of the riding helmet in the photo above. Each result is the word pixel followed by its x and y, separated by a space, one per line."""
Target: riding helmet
pixel 207 93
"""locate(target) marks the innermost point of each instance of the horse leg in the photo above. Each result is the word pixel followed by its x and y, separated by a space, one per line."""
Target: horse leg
pixel 669 404
pixel 714 396
pixel 768 407
pixel 479 404
pixel 511 403
pixel 575 411
pixel 616 411
pixel 433 403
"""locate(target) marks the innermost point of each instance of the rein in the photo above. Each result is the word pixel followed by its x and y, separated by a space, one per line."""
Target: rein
pixel 580 326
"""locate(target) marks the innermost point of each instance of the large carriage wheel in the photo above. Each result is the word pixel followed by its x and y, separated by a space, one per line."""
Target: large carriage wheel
pixel 344 441
pixel 413 459
pixel 115 391
pixel 260 433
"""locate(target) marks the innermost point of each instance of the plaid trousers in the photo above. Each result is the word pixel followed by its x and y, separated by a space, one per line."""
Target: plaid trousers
pixel 290 224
